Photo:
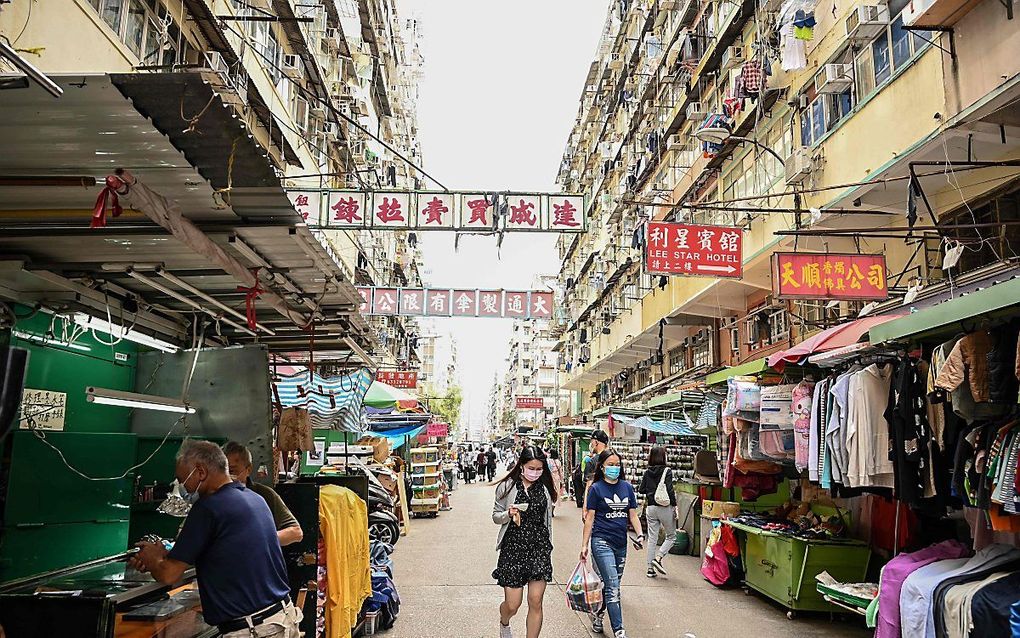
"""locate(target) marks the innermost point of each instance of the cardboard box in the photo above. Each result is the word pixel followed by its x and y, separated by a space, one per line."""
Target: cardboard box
pixel 719 509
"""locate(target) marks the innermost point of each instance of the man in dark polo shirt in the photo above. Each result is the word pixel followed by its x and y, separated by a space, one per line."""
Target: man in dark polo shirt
pixel 288 530
pixel 230 538
pixel 598 444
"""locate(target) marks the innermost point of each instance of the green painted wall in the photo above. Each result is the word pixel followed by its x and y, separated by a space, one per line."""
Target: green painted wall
pixel 70 369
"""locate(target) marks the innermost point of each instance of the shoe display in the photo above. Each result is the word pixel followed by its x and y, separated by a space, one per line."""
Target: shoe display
pixel 504 631
pixel 657 564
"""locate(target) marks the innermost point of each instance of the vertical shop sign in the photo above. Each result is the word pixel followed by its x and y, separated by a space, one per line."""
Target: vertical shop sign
pixel 437 210
pixel 829 276
pixel 541 305
pixel 695 250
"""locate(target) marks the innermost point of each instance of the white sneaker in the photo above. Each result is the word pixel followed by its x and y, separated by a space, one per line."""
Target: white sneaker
pixel 504 631
pixel 621 634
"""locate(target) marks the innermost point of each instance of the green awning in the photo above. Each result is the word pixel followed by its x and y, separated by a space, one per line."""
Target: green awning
pixel 749 368
pixel 672 397
pixel 949 316
pixel 601 412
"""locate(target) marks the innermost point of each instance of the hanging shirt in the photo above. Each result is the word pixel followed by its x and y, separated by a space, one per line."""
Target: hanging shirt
pixel 835 433
pixel 867 428
pixel 813 432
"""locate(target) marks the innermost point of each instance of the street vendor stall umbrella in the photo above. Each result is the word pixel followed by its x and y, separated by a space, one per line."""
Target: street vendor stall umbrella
pixel 383 395
pixel 835 337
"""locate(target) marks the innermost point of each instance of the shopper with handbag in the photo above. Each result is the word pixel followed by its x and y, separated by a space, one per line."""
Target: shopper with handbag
pixel 556 467
pixel 523 510
pixel 611 503
pixel 660 507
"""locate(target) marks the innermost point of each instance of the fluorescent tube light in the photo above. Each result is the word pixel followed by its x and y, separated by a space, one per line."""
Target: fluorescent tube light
pixel 47 341
pixel 105 396
pixel 123 332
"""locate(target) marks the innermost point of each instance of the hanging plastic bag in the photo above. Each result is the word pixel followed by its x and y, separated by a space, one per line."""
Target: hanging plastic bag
pixel 584 590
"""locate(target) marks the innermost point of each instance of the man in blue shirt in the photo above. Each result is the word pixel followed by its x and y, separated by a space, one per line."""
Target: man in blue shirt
pixel 230 538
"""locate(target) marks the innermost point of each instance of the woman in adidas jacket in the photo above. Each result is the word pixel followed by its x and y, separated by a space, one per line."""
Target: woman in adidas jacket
pixel 660 504
pixel 611 504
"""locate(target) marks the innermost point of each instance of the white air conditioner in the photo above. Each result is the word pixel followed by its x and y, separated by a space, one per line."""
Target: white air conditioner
pixel 676 142
pixel 290 64
pixel 834 78
pixel 866 22
pixel 332 36
pixel 798 166
pixel 696 112
pixel 616 61
pixel 732 57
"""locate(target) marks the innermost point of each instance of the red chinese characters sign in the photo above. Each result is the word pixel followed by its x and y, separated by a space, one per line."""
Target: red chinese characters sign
pixel 690 249
pixel 441 210
pixel 444 302
pixel 829 276
pixel 404 379
pixel 437 429
pixel 529 403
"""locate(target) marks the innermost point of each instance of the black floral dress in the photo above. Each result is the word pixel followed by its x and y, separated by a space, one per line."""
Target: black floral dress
pixel 526 552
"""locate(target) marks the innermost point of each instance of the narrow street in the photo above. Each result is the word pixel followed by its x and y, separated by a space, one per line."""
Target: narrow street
pixel 443 573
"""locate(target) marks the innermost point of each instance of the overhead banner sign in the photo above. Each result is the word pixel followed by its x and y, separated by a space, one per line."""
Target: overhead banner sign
pixel 403 379
pixel 471 211
pixel 529 403
pixel 829 276
pixel 446 302
pixel 690 249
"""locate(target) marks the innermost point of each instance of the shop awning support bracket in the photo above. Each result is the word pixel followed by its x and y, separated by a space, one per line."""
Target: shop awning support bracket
pixel 951 51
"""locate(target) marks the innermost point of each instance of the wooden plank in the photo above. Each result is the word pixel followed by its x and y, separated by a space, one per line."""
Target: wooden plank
pixel 405 515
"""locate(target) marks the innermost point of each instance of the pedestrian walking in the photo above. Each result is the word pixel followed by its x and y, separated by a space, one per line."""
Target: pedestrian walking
pixel 611 502
pixel 556 469
pixel 596 445
pixel 523 510
pixel 482 461
pixel 660 508
pixel 490 466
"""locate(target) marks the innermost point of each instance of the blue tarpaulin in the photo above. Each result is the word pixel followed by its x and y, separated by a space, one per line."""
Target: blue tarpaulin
pixel 677 428
pixel 396 436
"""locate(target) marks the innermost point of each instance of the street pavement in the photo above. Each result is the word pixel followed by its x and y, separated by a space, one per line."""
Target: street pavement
pixel 443 572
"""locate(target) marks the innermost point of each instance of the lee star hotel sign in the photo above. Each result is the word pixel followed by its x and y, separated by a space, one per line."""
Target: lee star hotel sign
pixel 440 210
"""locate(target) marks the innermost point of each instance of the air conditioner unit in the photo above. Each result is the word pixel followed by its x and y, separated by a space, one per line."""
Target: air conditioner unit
pixel 732 57
pixel 616 61
pixel 695 111
pixel 798 166
pixel 291 66
pixel 833 78
pixel 330 129
pixel 866 22
pixel 676 142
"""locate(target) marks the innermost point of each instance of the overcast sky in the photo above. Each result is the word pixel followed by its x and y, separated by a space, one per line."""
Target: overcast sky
pixel 501 87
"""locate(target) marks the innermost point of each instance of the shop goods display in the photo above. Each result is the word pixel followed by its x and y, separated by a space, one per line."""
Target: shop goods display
pixel 679 457
pixel 426 481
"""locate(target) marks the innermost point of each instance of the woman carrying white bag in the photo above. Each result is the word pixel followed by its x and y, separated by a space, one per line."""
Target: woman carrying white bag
pixel 660 506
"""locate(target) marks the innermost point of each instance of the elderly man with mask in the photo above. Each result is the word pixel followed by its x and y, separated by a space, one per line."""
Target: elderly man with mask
pixel 230 538
pixel 288 530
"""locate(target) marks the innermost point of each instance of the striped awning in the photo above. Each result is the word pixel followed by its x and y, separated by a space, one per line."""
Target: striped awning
pixel 332 402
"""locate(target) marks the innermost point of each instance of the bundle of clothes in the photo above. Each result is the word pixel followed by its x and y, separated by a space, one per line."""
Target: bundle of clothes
pixel 384 601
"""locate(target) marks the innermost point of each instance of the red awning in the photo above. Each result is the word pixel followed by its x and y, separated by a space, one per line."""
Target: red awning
pixel 836 337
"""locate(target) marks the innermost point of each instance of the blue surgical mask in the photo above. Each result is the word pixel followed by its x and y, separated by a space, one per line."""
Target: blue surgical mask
pixel 190 497
pixel 612 472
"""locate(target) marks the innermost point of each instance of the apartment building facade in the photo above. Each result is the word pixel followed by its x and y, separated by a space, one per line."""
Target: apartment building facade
pixel 811 129
pixel 531 375
pixel 251 98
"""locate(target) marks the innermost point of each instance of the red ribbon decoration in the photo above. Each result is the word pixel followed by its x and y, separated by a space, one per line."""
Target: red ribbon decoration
pixel 107 197
pixel 250 295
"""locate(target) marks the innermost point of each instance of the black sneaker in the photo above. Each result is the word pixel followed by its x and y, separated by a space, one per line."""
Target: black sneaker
pixel 596 623
pixel 657 564
pixel 651 573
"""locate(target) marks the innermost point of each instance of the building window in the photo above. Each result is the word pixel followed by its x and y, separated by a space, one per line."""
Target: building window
pixel 701 352
pixel 766 326
pixel 145 27
pixel 677 360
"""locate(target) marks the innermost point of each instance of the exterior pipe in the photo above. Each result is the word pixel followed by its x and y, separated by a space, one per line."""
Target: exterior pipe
pixel 201 295
pixel 155 285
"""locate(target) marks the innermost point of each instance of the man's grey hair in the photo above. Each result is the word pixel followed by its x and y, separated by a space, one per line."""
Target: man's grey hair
pixel 205 453
pixel 233 447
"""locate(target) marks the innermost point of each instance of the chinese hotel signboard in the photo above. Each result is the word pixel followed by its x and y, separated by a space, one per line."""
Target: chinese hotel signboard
pixel 690 249
pixel 829 276
pixel 446 302
pixel 441 210
pixel 404 379
pixel 529 403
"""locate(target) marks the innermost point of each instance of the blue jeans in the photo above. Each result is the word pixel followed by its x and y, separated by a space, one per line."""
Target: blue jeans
pixel 609 562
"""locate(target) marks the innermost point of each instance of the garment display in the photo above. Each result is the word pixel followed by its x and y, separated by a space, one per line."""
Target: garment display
pixel 343 519
pixel 867 431
pixel 803 399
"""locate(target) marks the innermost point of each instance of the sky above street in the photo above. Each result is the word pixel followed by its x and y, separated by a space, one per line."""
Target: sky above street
pixel 501 87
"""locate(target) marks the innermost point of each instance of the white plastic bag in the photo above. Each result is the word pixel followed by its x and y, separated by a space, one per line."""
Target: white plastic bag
pixel 584 590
